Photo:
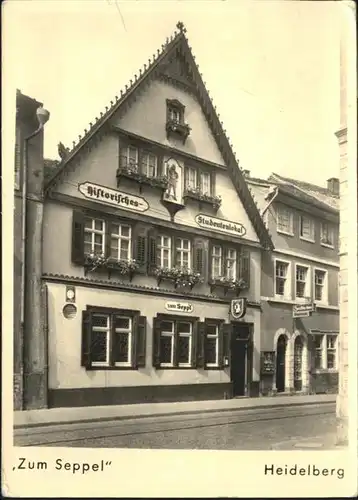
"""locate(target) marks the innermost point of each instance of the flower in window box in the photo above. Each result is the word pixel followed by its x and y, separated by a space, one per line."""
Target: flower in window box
pixel 195 193
pixel 235 285
pixel 180 275
pixel 124 267
pixel 95 260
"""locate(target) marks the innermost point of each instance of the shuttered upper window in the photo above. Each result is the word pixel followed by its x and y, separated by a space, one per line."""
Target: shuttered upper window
pixel 229 263
pixel 113 338
pixel 168 251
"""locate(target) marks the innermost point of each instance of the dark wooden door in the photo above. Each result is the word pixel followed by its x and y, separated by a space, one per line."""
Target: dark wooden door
pixel 281 364
pixel 239 359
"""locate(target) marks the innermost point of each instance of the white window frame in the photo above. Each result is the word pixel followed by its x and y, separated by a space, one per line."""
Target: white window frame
pixel 324 299
pixel 332 349
pixel 127 157
pixel 331 230
pixel 322 349
pixel 121 238
pixel 194 172
pixel 162 247
pixel 94 231
pixel 145 164
pixel 308 293
pixel 171 335
pixel 325 349
pixel 216 256
pixel 288 289
pixel 190 335
pixel 232 260
pixel 180 251
pixel 206 175
pixel 129 331
pixel 290 213
pixel 216 337
pixel 311 238
pixel 107 330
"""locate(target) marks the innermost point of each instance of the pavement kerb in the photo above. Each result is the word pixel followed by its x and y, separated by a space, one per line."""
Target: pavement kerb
pixel 164 414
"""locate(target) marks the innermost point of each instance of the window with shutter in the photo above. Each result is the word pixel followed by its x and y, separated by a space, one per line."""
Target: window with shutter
pixel 152 251
pixel 175 342
pixel 200 352
pixel 140 246
pixel 212 344
pixel 113 338
pixel 77 253
pixel 156 342
pixel 225 344
pixel 244 266
pixel 199 256
pixel 139 350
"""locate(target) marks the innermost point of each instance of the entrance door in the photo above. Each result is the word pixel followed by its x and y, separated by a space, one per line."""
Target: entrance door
pixel 239 359
pixel 281 363
pixel 297 376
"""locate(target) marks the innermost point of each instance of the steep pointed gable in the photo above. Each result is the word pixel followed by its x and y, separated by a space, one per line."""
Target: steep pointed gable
pixel 174 61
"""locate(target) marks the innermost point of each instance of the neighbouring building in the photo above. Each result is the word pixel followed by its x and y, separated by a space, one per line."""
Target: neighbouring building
pixel 299 285
pixel 25 249
pixel 150 232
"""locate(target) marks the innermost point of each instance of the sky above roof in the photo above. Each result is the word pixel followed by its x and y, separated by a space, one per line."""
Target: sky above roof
pixel 272 69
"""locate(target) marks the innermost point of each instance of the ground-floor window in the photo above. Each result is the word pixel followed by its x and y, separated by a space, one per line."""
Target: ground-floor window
pixel 325 351
pixel 186 342
pixel 113 338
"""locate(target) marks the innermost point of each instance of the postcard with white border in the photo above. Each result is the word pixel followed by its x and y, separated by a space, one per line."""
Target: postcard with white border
pixel 179 249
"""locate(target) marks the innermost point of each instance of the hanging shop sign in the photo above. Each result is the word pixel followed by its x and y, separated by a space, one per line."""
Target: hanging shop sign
pixel 268 362
pixel 184 307
pixel 303 310
pixel 220 225
pixel 238 308
pixel 108 196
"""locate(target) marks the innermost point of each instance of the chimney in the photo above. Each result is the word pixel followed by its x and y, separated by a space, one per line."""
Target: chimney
pixel 333 185
pixel 246 173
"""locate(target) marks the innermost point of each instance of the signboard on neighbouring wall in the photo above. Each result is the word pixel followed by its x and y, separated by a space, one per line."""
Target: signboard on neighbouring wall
pixel 303 310
pixel 108 196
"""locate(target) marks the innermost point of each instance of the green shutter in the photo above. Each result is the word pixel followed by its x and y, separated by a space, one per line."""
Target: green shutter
pixel 152 250
pixel 194 345
pixel 86 339
pixel 224 343
pixel 77 254
pixel 139 351
pixel 210 263
pixel 140 246
pixel 199 256
pixel 200 351
pixel 213 183
pixel 156 342
pixel 244 266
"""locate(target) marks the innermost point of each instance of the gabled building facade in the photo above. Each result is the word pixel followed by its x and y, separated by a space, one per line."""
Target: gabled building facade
pixel 300 302
pixel 151 239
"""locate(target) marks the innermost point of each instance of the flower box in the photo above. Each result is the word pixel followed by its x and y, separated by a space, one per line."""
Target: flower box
pixel 182 277
pixel 99 261
pixel 196 194
pixel 177 129
pixel 131 172
pixel 228 284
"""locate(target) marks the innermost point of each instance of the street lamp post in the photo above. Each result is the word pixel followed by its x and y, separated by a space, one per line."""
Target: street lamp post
pixel 34 395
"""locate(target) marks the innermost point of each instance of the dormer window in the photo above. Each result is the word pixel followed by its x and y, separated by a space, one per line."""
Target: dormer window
pixel 175 125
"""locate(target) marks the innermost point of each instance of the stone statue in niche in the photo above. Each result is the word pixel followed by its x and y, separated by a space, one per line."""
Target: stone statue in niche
pixel 174 174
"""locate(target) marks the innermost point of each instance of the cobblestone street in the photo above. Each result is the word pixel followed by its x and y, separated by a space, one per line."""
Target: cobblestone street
pixel 305 427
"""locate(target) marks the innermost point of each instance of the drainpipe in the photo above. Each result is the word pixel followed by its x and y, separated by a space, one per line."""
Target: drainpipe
pixel 42 117
pixel 270 202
